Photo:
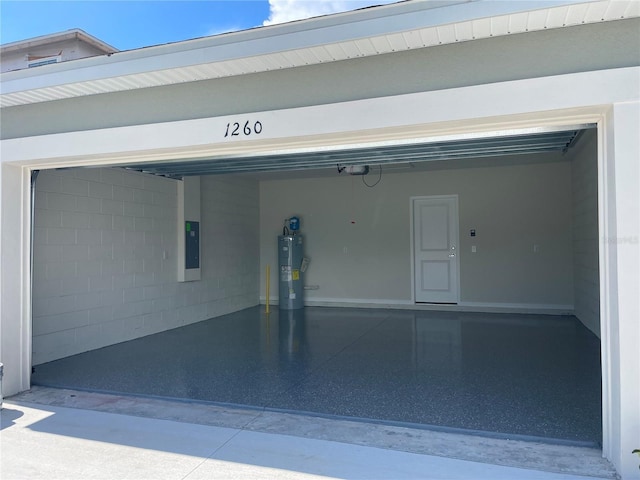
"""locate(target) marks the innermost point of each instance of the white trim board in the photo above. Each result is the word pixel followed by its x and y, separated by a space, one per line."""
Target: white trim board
pixel 377 121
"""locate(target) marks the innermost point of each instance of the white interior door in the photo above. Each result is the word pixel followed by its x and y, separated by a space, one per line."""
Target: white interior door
pixel 435 249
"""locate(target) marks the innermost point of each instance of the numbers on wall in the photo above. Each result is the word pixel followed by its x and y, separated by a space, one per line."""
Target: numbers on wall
pixel 237 129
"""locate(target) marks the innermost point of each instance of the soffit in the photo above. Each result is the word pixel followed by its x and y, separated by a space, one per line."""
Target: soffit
pixel 380 30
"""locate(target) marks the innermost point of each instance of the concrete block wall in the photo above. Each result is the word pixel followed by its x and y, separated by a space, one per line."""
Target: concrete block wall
pixel 105 259
pixel 584 178
pixel 230 241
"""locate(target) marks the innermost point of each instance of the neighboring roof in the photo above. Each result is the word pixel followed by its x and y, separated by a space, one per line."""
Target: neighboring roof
pixel 368 32
pixel 73 34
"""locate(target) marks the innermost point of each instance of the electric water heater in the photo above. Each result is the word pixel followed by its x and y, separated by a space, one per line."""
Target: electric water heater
pixel 291 285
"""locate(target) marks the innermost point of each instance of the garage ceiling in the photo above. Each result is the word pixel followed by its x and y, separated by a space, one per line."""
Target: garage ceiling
pixel 488 144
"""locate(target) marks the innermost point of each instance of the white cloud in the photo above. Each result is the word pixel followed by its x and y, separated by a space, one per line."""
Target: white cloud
pixel 282 11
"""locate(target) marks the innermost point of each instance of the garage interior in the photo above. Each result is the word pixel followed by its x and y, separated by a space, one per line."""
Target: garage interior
pixel 519 354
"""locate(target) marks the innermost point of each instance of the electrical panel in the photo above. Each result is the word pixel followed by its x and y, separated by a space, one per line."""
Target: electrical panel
pixel 192 245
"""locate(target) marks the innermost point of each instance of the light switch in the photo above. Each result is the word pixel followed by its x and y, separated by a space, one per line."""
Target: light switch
pixel 473 249
pixel 536 248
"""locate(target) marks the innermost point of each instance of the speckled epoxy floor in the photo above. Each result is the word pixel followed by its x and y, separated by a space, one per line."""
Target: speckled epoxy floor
pixel 527 375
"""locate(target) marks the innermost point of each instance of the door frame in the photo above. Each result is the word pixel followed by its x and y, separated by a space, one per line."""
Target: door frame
pixel 412 253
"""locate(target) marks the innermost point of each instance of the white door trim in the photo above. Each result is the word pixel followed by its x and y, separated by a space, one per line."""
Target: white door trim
pixel 412 201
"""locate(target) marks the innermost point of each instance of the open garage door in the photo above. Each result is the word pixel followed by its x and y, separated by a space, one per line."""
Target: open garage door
pixel 480 145
pixel 105 284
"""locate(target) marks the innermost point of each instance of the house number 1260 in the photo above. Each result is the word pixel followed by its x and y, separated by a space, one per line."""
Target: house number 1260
pixel 236 130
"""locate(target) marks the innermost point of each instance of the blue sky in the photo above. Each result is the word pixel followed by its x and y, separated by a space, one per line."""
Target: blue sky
pixel 128 24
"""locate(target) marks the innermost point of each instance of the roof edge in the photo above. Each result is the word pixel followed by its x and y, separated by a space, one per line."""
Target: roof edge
pixel 74 33
pixel 357 34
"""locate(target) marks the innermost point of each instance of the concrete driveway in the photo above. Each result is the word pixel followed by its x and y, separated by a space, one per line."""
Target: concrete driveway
pixel 80 435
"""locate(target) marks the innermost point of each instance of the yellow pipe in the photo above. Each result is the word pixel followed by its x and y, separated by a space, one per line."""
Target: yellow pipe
pixel 268 285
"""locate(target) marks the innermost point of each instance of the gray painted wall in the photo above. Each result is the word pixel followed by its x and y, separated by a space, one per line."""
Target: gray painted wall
pixel 584 175
pixel 105 257
pixel 512 209
pixel 530 55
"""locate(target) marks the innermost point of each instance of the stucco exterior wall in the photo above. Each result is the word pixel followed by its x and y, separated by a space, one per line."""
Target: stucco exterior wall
pixel 531 55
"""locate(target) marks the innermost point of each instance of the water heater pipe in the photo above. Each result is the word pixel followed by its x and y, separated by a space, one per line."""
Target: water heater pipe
pixel 267 288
